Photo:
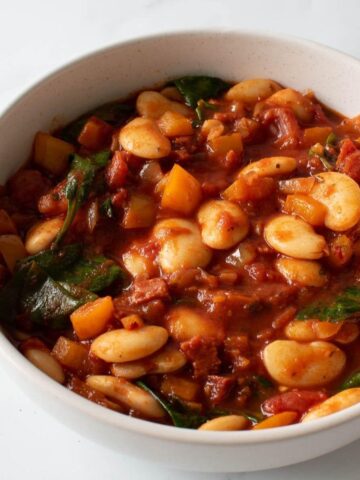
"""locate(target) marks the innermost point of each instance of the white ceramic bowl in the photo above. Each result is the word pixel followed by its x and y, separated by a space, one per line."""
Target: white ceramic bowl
pixel 113 73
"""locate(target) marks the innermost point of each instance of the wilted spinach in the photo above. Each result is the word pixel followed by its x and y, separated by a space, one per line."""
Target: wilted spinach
pixel 44 301
pixel 194 88
pixel 197 89
pixel 344 306
pixel 184 417
pixel 80 179
pixel 180 415
pixel 49 286
pixel 351 382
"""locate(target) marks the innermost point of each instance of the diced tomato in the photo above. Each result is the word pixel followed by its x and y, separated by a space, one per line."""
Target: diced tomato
pixel 348 160
pixel 54 202
pixel 117 171
pixel 297 401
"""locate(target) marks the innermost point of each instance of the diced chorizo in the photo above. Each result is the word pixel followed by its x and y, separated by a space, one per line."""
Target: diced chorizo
pixel 202 353
pixel 287 128
pixel 217 388
pixel 117 171
pixel 145 290
pixel 296 401
pixel 348 160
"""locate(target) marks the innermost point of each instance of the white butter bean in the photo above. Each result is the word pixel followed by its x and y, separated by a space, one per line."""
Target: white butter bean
pixel 301 106
pixel 133 397
pixel 41 235
pixel 225 423
pixel 340 194
pixel 181 245
pixel 301 365
pixel 223 224
pixel 126 345
pixel 271 166
pixel 142 137
pixel 334 404
pixel 252 90
pixel 294 237
pixel 183 323
pixel 309 330
pixel 302 272
pixel 152 104
pixel 169 359
pixel 45 362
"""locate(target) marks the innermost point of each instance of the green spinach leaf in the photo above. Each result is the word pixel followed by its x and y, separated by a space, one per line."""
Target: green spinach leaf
pixel 346 305
pixel 80 179
pixel 47 302
pixel 92 273
pixel 180 415
pixel 194 88
pixel 352 381
pixel 49 286
pixel 44 301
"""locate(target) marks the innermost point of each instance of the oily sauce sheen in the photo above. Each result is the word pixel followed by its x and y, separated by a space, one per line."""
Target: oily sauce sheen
pixel 198 233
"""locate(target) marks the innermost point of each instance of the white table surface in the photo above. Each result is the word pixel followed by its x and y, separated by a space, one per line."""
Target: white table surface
pixel 38 36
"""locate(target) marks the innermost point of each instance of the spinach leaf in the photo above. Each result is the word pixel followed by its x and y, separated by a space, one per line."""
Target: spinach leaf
pixel 195 88
pixel 55 262
pixel 49 286
pixel 69 266
pixel 93 273
pixel 45 301
pixel 80 179
pixel 352 381
pixel 114 113
pixel 180 415
pixel 344 306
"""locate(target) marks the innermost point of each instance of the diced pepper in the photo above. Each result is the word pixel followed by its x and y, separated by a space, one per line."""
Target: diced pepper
pixel 249 187
pixel 90 319
pixel 52 153
pixel 140 212
pixel 95 134
pixel 69 353
pixel 297 185
pixel 220 146
pixel 117 171
pixel 307 208
pixel 12 249
pixel 315 135
pixel 182 191
pixel 279 420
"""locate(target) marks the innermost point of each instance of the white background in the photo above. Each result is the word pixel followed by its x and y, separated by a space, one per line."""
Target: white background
pixel 37 36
